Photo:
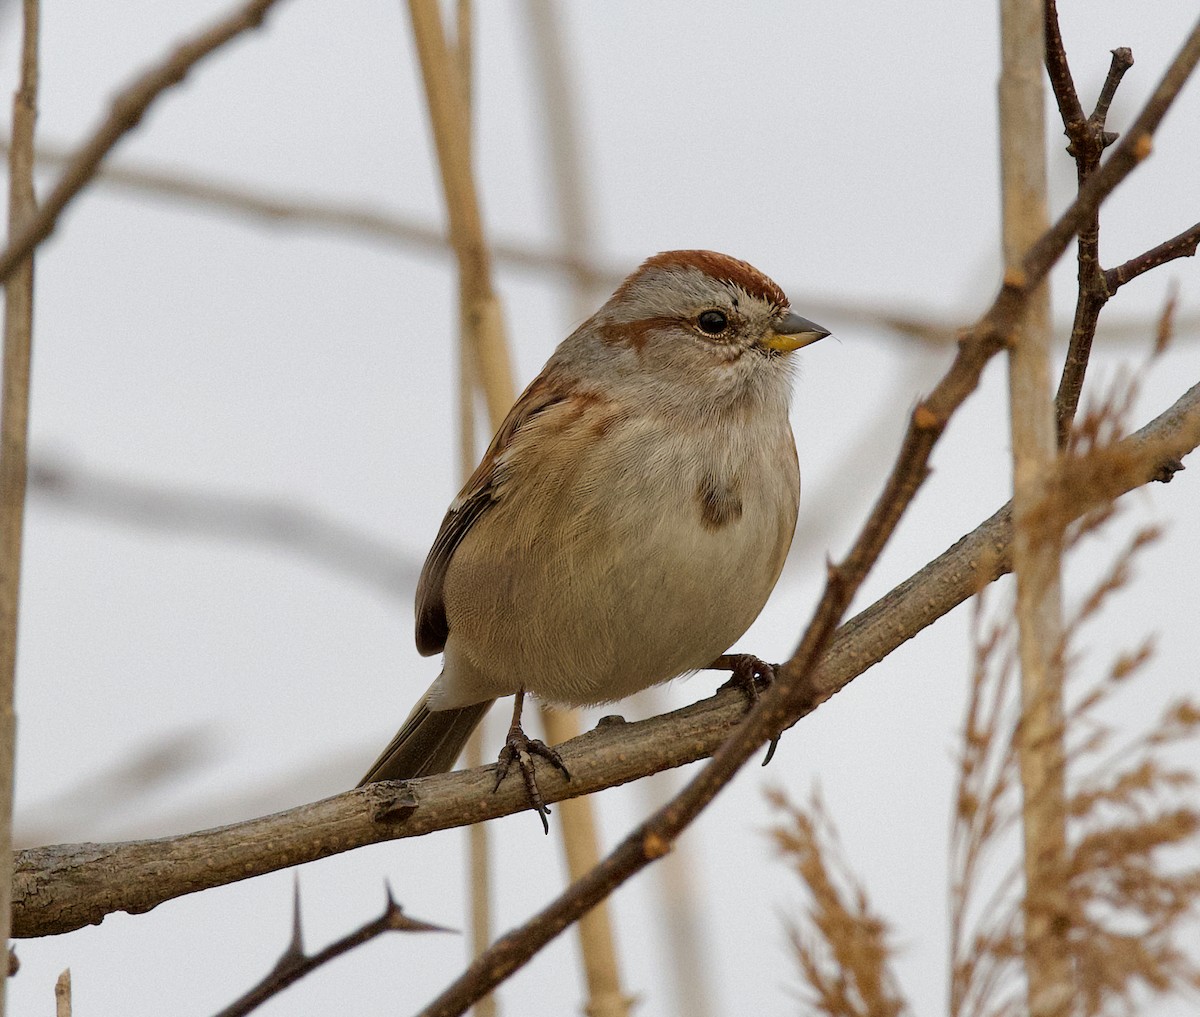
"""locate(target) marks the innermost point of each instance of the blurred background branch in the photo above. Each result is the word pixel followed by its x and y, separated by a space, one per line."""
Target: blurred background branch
pixel 301 530
pixel 276 208
pixel 125 113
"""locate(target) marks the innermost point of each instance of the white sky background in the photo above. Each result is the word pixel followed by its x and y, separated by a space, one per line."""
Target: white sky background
pixel 847 150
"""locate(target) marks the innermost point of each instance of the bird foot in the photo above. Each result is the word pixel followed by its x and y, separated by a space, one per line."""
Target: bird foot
pixel 752 675
pixel 519 748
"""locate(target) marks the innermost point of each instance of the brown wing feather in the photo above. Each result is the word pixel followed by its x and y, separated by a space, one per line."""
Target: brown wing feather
pixel 476 497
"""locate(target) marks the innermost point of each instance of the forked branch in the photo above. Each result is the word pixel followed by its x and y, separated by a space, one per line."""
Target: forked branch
pixel 294 963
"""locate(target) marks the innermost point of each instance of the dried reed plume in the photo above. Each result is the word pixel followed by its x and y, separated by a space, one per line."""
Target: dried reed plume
pixel 1131 807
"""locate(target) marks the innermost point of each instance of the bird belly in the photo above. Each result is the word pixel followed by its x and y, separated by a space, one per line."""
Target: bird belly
pixel 586 593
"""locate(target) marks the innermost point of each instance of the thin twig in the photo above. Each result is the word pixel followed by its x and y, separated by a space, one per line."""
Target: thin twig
pixel 14 441
pixel 1088 140
pixel 124 115
pixel 294 964
pixel 65 887
pixel 1132 149
pixel 1181 246
pixel 1059 71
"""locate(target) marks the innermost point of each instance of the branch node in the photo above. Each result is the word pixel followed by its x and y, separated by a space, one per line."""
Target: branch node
pixel 390 801
pixel 1143 147
pixel 926 419
pixel 1165 472
pixel 655 845
pixel 1015 278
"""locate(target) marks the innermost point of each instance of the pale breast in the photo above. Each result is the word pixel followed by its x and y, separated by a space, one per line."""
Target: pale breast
pixel 614 565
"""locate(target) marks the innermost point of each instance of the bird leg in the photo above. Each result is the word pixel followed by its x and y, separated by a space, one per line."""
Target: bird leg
pixel 519 748
pixel 747 672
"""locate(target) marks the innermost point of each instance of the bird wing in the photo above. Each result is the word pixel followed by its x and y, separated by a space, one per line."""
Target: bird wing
pixel 477 496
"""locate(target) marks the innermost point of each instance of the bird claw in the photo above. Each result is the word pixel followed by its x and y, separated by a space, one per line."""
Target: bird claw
pixel 746 673
pixel 519 748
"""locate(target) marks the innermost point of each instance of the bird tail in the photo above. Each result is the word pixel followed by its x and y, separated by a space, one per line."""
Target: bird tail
pixel 429 742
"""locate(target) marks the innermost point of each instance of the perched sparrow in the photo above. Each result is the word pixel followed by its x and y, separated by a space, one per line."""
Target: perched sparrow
pixel 630 517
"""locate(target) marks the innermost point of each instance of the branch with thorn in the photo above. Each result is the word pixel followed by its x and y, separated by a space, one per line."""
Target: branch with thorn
pixel 294 964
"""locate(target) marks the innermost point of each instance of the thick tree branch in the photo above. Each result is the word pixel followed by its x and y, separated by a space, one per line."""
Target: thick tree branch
pixel 65 887
pixel 124 115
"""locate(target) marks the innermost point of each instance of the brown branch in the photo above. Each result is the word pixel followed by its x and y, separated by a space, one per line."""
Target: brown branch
pixel 65 887
pixel 294 964
pixel 1088 140
pixel 1133 148
pixel 14 441
pixel 124 115
pixel 1122 60
pixel 1059 71
pixel 1181 246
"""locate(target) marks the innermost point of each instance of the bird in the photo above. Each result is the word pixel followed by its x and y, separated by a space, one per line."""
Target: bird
pixel 629 519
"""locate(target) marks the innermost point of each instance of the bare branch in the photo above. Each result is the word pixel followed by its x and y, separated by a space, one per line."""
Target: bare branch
pixel 1181 246
pixel 272 521
pixel 1061 82
pixel 1133 148
pixel 1089 139
pixel 124 115
pixel 65 887
pixel 294 964
pixel 14 440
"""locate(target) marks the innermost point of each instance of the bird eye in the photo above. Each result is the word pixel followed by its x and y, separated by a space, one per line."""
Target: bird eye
pixel 712 322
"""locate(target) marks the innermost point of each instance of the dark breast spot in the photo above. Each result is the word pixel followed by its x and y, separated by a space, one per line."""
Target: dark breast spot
pixel 720 502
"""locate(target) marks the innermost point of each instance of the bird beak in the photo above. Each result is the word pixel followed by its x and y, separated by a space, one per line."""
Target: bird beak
pixel 791 332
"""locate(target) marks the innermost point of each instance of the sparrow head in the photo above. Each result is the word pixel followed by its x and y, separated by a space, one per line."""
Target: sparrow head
pixel 701 319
